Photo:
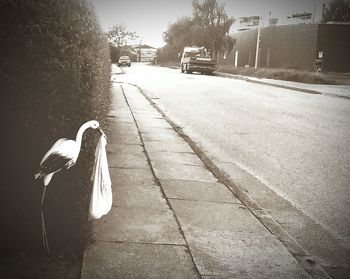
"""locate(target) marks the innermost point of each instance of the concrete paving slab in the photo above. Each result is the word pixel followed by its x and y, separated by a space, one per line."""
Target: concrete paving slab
pixel 120 121
pixel 176 158
pixel 216 216
pixel 124 117
pixel 197 190
pixel 216 277
pixel 121 176
pixel 149 117
pixel 152 123
pixel 135 99
pixel 137 103
pixel 147 113
pixel 156 226
pixel 120 117
pixel 123 160
pixel 120 139
pixel 164 137
pixel 122 131
pixel 139 196
pixel 133 261
pixel 157 130
pixel 144 109
pixel 120 128
pixel 116 125
pixel 176 171
pixel 242 255
pixel 134 184
pixel 120 109
pixel 170 147
pixel 125 148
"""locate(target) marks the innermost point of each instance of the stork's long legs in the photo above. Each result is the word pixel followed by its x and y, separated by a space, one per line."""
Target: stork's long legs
pixel 43 227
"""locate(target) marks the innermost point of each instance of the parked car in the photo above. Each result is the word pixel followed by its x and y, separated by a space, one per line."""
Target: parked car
pixel 196 59
pixel 124 61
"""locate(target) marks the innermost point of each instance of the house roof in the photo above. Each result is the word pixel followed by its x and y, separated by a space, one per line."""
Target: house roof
pixel 146 46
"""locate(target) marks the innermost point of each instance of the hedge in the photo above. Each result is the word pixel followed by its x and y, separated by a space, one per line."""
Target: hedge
pixel 55 75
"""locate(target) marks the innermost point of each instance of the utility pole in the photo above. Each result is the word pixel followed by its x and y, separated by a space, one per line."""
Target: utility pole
pixel 139 51
pixel 257 44
pixel 314 14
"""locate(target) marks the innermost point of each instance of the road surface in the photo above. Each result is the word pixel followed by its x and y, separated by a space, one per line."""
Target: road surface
pixel 295 143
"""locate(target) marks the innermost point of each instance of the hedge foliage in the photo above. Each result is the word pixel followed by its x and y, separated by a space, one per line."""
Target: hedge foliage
pixel 55 75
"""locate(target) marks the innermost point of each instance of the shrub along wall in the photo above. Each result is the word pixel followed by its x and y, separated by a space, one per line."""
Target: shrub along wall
pixel 55 75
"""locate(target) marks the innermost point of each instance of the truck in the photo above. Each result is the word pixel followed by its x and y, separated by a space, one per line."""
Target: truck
pixel 196 59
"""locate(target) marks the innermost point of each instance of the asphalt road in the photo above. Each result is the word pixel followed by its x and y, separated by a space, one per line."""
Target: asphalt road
pixel 295 143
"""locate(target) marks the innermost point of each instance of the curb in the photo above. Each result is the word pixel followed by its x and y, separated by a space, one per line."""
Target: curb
pixel 308 91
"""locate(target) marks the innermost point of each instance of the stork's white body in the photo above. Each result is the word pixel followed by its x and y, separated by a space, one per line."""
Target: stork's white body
pixel 67 150
pixel 63 154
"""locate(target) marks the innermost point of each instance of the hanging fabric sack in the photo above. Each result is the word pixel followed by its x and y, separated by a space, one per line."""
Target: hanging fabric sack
pixel 101 197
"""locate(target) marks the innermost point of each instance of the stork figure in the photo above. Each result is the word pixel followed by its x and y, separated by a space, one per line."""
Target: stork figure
pixel 61 156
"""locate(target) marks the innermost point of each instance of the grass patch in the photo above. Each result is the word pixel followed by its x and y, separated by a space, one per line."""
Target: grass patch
pixel 279 74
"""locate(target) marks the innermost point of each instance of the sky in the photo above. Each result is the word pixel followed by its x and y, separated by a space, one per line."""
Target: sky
pixel 150 18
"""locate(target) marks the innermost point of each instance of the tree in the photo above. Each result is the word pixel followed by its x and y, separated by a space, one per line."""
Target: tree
pixel 214 23
pixel 228 43
pixel 337 10
pixel 179 33
pixel 119 36
pixel 208 26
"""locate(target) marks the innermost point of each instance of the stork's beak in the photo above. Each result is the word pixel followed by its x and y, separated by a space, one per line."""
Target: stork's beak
pixel 103 133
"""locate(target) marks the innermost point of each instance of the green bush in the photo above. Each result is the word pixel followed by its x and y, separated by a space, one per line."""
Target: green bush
pixel 55 75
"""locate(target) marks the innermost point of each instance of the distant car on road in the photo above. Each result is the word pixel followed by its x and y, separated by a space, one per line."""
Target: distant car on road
pixel 124 61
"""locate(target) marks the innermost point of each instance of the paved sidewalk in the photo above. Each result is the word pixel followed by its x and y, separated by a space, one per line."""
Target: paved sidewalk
pixel 342 91
pixel 171 218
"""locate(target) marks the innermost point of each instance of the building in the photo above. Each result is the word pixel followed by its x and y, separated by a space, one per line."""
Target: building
pixel 296 46
pixel 145 53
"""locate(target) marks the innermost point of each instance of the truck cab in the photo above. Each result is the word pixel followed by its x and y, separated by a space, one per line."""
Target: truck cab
pixel 196 59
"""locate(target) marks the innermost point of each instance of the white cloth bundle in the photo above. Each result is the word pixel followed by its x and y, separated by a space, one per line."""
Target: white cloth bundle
pixel 101 197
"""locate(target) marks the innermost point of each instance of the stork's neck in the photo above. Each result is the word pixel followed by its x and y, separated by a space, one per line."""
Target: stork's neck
pixel 81 131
